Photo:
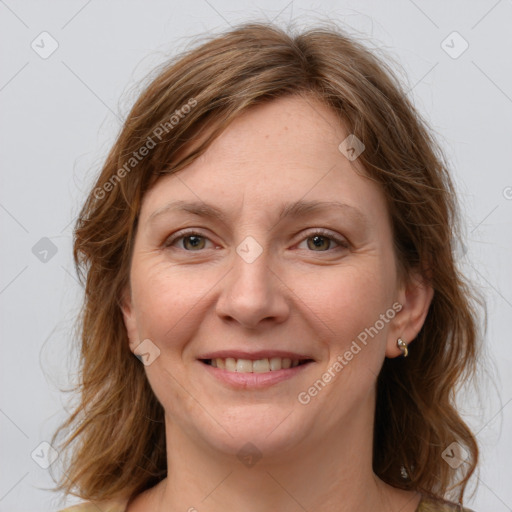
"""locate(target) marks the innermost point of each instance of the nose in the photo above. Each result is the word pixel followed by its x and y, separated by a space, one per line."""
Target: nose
pixel 253 293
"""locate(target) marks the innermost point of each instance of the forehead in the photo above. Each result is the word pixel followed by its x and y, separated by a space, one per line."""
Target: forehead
pixel 274 154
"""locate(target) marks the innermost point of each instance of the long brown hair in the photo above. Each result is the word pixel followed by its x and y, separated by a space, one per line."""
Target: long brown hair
pixel 115 436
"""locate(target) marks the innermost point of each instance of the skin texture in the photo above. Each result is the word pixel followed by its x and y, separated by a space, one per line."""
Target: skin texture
pixel 296 296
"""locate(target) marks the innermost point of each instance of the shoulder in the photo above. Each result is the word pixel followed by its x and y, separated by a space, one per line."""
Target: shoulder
pixel 104 506
pixel 430 504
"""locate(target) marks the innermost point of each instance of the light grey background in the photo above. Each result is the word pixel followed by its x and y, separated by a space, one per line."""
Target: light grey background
pixel 60 114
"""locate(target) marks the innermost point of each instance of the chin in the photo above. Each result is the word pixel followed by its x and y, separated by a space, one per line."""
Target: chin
pixel 268 436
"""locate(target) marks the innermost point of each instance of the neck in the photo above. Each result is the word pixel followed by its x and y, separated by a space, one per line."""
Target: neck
pixel 328 472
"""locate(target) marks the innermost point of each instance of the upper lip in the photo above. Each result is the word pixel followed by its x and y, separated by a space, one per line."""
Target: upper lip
pixel 260 354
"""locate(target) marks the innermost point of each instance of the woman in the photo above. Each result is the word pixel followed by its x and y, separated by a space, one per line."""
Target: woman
pixel 272 238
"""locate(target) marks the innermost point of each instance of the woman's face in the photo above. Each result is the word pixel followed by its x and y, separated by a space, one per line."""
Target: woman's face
pixel 269 248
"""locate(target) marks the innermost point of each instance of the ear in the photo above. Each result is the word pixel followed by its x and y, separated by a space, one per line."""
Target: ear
pixel 415 296
pixel 130 320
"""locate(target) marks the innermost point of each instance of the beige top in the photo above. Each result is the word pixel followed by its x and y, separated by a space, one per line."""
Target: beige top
pixel 425 505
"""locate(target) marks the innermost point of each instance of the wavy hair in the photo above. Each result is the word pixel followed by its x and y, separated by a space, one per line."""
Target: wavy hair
pixel 200 92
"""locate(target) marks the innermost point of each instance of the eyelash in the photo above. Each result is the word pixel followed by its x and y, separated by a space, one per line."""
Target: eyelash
pixel 343 243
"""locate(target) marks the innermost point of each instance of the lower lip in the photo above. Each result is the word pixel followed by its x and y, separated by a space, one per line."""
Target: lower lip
pixel 247 380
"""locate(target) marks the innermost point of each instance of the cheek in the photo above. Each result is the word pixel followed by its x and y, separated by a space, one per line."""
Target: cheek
pixel 348 299
pixel 167 299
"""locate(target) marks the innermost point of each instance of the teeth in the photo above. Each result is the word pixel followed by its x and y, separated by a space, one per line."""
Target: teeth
pixel 258 366
pixel 230 364
pixel 243 365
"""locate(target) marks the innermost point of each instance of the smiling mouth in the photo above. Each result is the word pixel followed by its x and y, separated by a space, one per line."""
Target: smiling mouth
pixel 272 364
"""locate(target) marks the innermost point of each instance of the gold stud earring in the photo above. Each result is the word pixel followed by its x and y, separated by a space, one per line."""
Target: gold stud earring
pixel 402 345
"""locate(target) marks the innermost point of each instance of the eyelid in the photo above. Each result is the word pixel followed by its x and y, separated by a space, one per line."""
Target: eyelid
pixel 341 241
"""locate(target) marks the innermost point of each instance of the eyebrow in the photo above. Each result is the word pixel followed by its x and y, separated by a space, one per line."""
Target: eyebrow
pixel 299 208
